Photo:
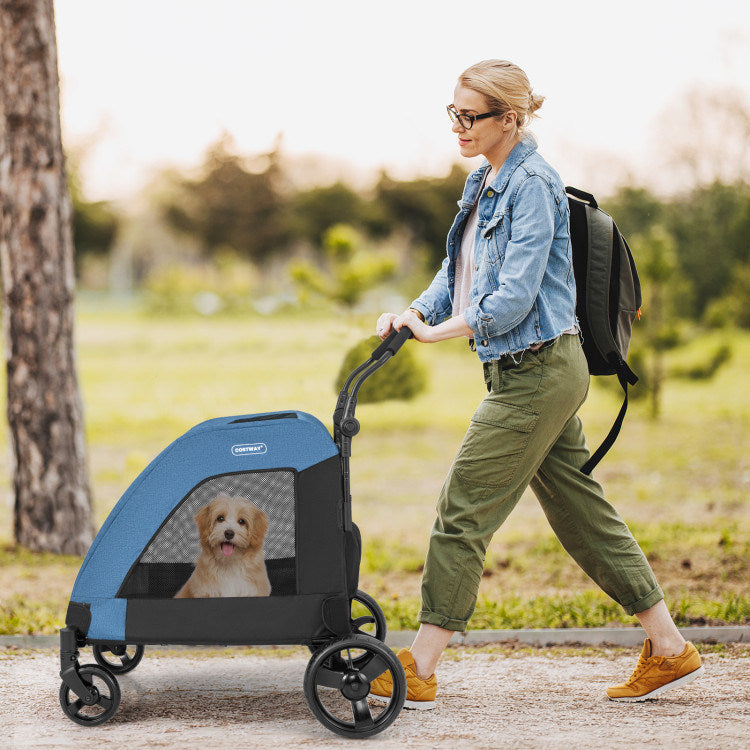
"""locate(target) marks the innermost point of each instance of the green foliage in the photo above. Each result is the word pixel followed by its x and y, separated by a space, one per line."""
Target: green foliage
pixel 710 231
pixel 19 616
pixel 656 258
pixel 635 210
pixel 314 211
pixel 655 254
pixel 225 284
pixel 708 368
pixel 95 223
pixel 350 268
pixel 249 203
pixel 589 609
pixel 733 308
pixel 681 361
pixel 739 293
pixel 426 207
pixel 381 556
pixel 403 377
pixel 94 227
pixel 711 228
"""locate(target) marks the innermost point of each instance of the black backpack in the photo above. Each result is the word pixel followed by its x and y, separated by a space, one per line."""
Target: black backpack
pixel 608 301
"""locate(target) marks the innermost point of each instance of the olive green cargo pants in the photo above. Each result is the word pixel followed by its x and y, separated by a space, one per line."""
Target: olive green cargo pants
pixel 526 432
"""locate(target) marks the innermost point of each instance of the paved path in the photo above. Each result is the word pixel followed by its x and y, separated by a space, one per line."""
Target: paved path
pixel 488 698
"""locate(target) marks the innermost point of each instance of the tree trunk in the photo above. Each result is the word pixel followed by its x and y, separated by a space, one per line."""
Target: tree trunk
pixel 50 482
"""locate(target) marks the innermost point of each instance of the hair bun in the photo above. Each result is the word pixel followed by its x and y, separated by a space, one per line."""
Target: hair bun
pixel 535 101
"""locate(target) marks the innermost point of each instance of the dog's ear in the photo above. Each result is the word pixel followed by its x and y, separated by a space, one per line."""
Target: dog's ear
pixel 203 522
pixel 260 527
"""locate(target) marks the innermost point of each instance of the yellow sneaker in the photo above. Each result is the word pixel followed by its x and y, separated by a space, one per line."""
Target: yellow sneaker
pixel 656 674
pixel 420 694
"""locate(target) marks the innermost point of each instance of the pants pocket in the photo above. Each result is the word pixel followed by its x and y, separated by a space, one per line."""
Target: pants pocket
pixel 495 444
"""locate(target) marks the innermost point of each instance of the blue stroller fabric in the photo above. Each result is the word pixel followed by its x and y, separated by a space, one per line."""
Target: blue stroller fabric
pixel 230 445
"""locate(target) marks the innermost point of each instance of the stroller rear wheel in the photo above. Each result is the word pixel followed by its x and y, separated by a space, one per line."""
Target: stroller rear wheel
pixel 367 617
pixel 337 683
pixel 118 659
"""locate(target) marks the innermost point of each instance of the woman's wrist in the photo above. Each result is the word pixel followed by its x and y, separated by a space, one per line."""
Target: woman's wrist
pixel 451 329
pixel 417 313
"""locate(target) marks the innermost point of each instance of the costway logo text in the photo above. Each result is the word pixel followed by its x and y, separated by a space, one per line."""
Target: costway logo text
pixel 249 449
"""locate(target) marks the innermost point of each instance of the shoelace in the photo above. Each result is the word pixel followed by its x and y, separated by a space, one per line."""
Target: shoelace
pixel 641 667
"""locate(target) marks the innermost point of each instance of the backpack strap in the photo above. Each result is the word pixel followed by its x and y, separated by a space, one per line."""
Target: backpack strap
pixel 582 195
pixel 626 376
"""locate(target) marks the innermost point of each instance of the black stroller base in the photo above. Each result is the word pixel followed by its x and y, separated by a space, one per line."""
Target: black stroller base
pixel 335 686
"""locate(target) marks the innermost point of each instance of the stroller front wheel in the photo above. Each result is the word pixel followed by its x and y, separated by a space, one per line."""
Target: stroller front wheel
pixel 101 702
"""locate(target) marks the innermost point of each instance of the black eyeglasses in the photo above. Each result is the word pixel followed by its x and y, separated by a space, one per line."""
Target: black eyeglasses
pixel 466 121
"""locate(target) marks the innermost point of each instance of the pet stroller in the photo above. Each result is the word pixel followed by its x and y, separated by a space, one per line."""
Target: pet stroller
pixel 288 465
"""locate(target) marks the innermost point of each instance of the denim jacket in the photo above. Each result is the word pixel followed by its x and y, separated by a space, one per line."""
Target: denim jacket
pixel 523 291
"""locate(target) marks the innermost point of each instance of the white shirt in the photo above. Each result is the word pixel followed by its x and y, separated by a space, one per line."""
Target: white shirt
pixel 465 266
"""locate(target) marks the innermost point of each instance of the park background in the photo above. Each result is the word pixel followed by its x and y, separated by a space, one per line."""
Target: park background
pixel 253 186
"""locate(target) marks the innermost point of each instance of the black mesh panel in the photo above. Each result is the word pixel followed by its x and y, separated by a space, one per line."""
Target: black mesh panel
pixel 170 556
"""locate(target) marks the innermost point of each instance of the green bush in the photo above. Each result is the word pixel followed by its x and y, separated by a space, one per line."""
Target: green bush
pixel 707 369
pixel 225 284
pixel 403 377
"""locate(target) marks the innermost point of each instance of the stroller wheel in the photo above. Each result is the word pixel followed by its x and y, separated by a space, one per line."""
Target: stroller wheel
pixel 367 617
pixel 106 697
pixel 337 683
pixel 118 659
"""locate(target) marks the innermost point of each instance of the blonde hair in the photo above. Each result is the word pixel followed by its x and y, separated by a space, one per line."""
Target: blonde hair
pixel 506 87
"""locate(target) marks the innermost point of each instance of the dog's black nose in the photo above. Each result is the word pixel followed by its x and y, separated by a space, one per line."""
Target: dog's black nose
pixel 228 534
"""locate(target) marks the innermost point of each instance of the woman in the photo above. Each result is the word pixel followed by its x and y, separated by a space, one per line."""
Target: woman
pixel 507 283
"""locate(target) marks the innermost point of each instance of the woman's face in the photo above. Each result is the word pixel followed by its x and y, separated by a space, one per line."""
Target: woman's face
pixel 489 137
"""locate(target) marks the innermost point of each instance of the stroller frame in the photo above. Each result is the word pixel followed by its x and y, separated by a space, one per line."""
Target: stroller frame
pixel 123 598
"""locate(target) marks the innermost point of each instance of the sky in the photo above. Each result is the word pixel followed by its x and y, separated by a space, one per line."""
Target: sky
pixel 150 84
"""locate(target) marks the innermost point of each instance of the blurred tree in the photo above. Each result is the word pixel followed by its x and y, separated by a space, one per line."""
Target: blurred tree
pixel 314 211
pixel 733 309
pixel 711 227
pixel 50 482
pixel 349 270
pixel 95 223
pixel 654 253
pixel 635 210
pixel 656 256
pixel 426 207
pixel 231 206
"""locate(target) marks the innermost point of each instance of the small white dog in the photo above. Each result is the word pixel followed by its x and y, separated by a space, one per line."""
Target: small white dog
pixel 232 530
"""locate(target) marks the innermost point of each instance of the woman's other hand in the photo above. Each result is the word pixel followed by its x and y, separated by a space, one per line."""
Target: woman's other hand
pixel 384 326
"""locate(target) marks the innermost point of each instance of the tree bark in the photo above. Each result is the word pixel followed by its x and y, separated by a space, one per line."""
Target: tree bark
pixel 50 478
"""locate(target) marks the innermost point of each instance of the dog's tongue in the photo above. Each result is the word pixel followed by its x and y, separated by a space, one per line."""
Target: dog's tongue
pixel 227 548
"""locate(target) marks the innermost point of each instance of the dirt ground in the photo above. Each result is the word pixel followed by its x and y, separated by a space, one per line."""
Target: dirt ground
pixel 487 698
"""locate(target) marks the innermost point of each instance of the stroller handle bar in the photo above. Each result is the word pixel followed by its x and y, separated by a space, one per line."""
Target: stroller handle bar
pixel 395 340
pixel 345 424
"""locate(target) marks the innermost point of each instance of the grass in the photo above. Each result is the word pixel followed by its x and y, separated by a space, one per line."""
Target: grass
pixel 681 482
